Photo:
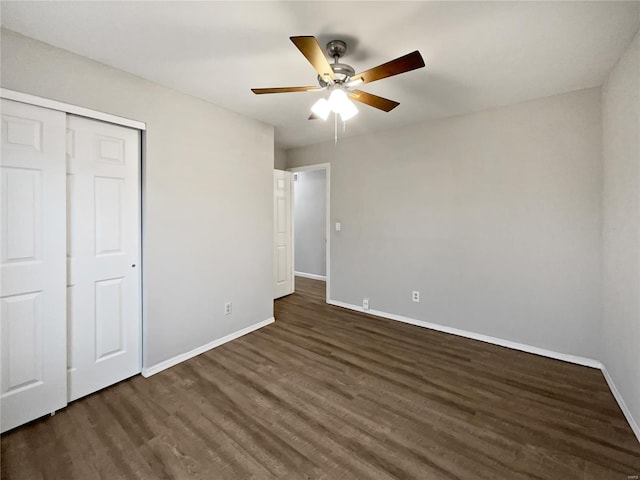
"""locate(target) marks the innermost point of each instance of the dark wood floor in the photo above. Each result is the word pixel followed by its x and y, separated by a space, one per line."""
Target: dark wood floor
pixel 325 393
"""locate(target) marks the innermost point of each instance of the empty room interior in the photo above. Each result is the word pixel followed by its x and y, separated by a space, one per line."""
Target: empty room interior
pixel 320 240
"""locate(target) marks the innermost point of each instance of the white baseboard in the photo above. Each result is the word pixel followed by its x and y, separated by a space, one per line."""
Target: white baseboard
pixel 587 362
pixel 620 400
pixel 312 276
pixel 158 367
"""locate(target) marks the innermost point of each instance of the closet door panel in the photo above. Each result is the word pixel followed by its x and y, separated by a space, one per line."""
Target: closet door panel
pixel 104 279
pixel 32 263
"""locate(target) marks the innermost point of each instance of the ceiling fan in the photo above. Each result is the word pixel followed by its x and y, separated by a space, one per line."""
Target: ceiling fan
pixel 340 79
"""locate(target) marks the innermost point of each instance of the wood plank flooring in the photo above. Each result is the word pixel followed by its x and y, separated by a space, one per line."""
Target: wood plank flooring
pixel 326 393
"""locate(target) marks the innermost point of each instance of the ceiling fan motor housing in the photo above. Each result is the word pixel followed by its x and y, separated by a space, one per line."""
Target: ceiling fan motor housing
pixel 342 72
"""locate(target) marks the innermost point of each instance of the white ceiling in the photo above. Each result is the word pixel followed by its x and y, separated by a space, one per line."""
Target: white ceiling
pixel 478 54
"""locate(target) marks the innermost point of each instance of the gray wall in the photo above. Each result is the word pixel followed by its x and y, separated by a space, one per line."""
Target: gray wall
pixel 279 159
pixel 494 217
pixel 621 319
pixel 207 191
pixel 310 222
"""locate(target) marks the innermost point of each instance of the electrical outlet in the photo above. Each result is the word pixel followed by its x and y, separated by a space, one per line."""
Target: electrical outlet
pixel 415 296
pixel 365 303
pixel 227 308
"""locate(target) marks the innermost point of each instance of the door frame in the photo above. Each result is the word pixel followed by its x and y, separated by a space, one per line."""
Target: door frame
pixel 116 120
pixel 327 168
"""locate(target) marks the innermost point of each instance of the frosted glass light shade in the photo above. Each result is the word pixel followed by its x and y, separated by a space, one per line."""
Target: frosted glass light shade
pixel 337 100
pixel 321 108
pixel 348 111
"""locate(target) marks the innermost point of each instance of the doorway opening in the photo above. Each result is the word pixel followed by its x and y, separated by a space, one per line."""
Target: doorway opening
pixel 311 221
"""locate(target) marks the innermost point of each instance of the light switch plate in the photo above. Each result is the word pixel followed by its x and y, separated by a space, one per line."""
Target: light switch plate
pixel 338 226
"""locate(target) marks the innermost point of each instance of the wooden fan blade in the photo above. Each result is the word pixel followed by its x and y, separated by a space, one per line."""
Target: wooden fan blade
pixel 260 91
pixel 372 100
pixel 312 51
pixel 409 62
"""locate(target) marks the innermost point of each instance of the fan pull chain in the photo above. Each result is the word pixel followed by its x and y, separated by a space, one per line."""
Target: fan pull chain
pixel 335 129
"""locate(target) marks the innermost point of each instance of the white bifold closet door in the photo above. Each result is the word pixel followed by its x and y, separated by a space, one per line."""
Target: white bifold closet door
pixel 33 274
pixel 70 252
pixel 103 254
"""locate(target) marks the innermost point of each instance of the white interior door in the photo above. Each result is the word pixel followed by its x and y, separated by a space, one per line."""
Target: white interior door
pixel 283 234
pixel 33 310
pixel 103 250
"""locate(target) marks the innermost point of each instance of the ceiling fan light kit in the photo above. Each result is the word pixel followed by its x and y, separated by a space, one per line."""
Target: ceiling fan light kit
pixel 340 79
pixel 337 103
